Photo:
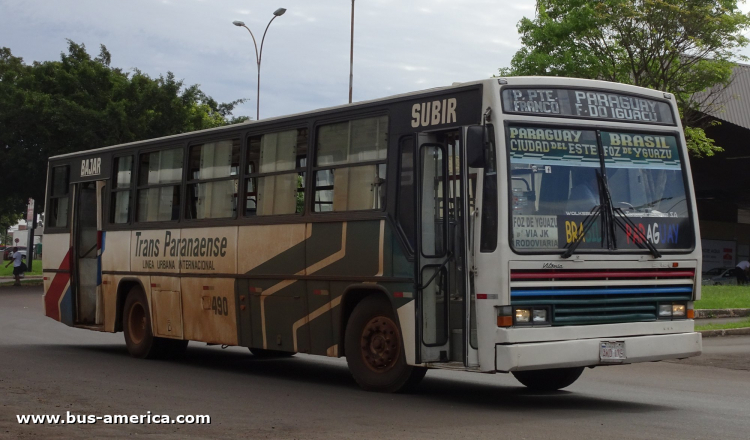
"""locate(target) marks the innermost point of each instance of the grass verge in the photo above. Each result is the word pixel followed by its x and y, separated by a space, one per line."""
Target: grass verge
pixel 724 326
pixel 724 297
pixel 8 271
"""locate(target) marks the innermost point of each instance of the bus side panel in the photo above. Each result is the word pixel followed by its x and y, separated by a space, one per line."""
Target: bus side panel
pixel 270 250
pixel 208 303
pixel 208 309
pixel 115 257
pixel 58 295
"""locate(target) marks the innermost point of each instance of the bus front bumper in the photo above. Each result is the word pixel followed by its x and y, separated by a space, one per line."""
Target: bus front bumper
pixel 586 352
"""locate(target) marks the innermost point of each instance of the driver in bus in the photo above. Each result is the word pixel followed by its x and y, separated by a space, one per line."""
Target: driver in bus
pixel 584 196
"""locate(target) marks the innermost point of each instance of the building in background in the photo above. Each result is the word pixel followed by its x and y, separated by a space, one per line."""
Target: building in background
pixel 722 182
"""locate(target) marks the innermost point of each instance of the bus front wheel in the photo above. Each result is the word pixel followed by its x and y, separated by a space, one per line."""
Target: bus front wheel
pixel 374 349
pixel 139 337
pixel 271 354
pixel 548 380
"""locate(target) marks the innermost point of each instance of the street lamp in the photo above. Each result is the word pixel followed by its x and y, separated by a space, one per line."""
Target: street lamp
pixel 259 53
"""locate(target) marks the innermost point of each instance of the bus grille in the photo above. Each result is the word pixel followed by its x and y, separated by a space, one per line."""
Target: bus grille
pixel 599 297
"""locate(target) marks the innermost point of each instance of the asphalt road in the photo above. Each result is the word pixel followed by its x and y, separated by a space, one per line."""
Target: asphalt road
pixel 48 368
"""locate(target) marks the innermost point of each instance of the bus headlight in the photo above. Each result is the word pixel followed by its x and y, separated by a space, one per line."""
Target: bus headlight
pixel 523 315
pixel 665 310
pixel 674 310
pixel 678 310
pixel 540 315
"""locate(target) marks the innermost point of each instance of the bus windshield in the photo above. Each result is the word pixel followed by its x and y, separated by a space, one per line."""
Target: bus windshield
pixel 554 187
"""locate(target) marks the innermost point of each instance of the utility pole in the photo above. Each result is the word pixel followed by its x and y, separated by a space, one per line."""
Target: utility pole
pixel 351 57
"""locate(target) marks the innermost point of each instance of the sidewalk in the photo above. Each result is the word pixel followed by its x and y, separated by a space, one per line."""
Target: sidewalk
pixel 10 280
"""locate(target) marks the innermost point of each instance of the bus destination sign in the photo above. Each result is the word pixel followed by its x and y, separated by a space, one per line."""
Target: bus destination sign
pixel 587 104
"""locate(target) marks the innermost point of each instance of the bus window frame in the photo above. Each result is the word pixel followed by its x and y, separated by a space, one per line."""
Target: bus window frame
pixel 244 176
pixel 598 129
pixel 107 205
pixel 409 248
pixel 186 181
pixel 313 158
pixel 50 182
pixel 585 118
pixel 159 224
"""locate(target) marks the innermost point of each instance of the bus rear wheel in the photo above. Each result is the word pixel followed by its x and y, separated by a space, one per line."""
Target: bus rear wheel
pixel 374 349
pixel 139 337
pixel 548 380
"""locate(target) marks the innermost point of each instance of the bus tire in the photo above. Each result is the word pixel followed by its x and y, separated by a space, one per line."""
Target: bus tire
pixel 548 380
pixel 139 337
pixel 374 348
pixel 270 354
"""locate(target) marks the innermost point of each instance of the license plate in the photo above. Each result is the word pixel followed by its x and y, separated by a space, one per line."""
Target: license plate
pixel 612 351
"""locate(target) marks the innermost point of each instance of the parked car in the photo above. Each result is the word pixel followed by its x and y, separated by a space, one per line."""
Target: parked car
pixel 8 252
pixel 716 271
pixel 725 278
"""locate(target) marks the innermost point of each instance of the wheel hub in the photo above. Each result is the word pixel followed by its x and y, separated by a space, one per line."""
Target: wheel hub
pixel 380 344
pixel 137 323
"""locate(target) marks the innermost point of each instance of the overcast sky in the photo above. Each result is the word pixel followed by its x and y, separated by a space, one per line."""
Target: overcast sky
pixel 399 46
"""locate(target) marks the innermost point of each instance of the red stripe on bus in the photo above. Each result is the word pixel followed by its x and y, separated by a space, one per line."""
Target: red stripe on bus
pixel 56 289
pixel 562 275
pixel 481 296
pixel 398 294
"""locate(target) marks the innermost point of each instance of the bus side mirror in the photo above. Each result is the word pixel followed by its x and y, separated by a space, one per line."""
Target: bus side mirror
pixel 476 137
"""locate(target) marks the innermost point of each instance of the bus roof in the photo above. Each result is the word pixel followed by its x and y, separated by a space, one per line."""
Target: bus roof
pixel 519 80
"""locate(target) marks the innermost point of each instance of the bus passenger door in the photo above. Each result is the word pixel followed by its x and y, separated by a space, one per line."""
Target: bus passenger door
pixel 432 276
pixel 442 243
pixel 87 226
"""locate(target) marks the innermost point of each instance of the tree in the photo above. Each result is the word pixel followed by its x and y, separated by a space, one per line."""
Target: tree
pixel 79 103
pixel 685 47
pixel 6 221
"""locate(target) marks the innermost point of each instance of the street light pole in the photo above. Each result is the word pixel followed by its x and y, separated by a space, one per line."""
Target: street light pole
pixel 351 57
pixel 259 53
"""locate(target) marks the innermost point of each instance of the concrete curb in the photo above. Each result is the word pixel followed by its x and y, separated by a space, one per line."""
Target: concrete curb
pixel 726 332
pixel 721 313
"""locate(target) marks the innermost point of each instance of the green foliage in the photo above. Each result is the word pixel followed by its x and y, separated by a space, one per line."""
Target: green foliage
pixel 79 103
pixel 6 221
pixel 698 143
pixel 677 46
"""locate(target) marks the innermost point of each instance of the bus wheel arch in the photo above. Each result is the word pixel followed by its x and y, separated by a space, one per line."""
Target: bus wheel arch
pixel 374 347
pixel 123 288
pixel 138 329
pixel 351 297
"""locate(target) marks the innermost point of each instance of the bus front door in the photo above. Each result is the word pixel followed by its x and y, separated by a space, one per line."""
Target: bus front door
pixel 87 226
pixel 442 248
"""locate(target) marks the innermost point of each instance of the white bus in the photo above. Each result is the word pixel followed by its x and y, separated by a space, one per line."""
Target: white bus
pixel 532 226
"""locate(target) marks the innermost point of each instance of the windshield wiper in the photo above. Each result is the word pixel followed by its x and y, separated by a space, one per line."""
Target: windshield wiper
pixel 623 220
pixel 586 225
pixel 611 217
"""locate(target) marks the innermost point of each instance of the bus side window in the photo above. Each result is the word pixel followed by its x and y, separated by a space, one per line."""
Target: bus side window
pixel 57 216
pixel 276 173
pixel 119 211
pixel 350 165
pixel 406 203
pixel 207 196
pixel 159 179
pixel 490 225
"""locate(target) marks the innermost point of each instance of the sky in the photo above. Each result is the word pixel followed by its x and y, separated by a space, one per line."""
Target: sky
pixel 399 46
